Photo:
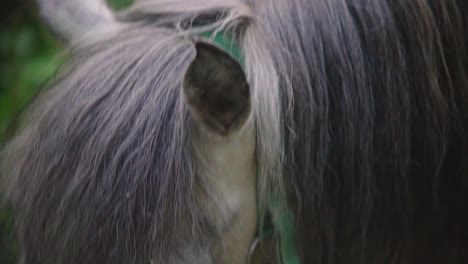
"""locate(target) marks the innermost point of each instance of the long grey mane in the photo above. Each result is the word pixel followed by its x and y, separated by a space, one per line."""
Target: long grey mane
pixel 108 133
pixel 103 171
pixel 360 111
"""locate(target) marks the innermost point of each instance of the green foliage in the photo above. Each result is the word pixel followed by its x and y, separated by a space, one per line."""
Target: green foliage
pixel 120 4
pixel 27 59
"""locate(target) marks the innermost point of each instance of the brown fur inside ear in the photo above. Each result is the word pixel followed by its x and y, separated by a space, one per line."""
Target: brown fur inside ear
pixel 216 89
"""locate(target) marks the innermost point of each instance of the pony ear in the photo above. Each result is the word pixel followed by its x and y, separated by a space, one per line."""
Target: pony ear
pixel 216 89
pixel 71 19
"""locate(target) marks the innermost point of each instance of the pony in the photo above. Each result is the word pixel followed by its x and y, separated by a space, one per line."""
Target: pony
pixel 155 144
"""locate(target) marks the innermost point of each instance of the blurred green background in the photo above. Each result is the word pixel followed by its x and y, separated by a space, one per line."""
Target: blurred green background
pixel 28 57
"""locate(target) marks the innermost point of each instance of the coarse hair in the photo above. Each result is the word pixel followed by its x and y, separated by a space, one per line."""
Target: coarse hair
pixel 360 111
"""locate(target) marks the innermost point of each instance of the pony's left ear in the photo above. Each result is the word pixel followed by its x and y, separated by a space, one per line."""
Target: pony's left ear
pixel 216 89
pixel 71 19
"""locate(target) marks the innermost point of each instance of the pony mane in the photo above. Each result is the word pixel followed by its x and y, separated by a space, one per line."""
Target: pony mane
pixel 376 133
pixel 102 171
pixel 101 147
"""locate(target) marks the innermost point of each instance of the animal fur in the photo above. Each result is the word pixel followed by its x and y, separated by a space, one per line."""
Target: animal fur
pixel 359 109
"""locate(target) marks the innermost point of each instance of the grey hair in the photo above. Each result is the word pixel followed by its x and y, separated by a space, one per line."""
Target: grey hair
pixel 102 171
pixel 375 132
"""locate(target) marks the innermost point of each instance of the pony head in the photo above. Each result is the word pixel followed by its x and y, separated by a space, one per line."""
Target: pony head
pixel 359 110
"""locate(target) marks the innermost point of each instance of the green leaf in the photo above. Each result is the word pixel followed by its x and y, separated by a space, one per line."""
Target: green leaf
pixel 120 4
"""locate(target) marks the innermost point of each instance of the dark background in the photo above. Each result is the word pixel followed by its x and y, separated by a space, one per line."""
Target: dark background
pixel 28 57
